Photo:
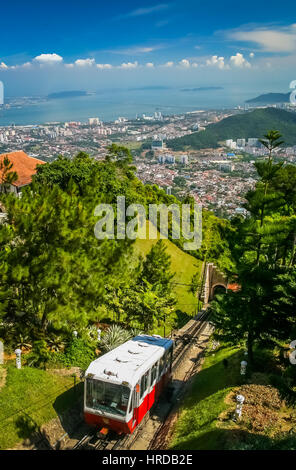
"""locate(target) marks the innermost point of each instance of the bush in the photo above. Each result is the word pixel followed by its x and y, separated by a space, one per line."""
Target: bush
pixel 39 354
pixel 78 353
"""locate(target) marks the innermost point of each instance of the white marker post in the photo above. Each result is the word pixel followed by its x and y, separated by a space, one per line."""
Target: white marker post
pixel 292 355
pixel 239 407
pixel 99 334
pixel 75 334
pixel 243 368
pixel 18 360
pixel 1 353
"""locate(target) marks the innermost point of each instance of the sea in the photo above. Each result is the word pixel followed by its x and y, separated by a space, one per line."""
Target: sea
pixel 108 105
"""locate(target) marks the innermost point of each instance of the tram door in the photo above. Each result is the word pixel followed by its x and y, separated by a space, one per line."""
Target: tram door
pixel 136 402
pixel 152 387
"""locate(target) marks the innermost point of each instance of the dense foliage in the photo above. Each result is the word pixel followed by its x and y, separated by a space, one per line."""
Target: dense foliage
pixel 56 276
pixel 263 251
pixel 240 126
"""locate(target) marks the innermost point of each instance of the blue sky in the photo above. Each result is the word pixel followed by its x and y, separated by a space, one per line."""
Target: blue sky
pixel 50 46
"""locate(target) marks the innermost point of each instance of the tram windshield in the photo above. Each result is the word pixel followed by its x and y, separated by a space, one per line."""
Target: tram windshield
pixel 107 397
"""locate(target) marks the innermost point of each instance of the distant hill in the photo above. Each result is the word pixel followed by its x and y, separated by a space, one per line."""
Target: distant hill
pixel 271 98
pixel 250 124
pixel 203 88
pixel 66 94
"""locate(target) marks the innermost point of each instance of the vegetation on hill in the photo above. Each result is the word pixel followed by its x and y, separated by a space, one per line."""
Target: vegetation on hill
pixel 57 277
pixel 256 324
pixel 271 98
pixel 263 248
pixel 248 124
pixel 184 267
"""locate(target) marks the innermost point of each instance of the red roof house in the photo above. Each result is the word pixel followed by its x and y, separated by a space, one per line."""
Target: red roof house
pixel 24 166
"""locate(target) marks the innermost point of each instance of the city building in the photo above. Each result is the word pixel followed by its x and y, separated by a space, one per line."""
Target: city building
pixel 226 166
pixel 241 143
pixel 157 145
pixel 94 121
pixel 253 142
pixel 184 159
pixel 231 144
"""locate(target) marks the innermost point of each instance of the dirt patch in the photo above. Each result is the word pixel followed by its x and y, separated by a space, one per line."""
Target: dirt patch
pixel 264 412
pixel 3 374
pixel 56 433
pixel 66 372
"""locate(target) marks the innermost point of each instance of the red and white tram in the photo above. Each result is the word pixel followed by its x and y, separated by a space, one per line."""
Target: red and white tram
pixel 122 385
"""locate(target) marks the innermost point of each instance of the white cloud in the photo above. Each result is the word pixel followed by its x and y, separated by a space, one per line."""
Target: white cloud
pixel 144 11
pixel 168 64
pixel 48 58
pixel 216 61
pixel 135 50
pixel 150 65
pixel 129 65
pixel 269 40
pixel 238 60
pixel 184 63
pixel 252 55
pixel 3 65
pixel 104 66
pixel 195 65
pixel 84 62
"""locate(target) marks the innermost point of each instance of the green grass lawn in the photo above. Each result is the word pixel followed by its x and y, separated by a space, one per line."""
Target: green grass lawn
pixel 30 398
pixel 205 422
pixel 198 425
pixel 132 145
pixel 183 265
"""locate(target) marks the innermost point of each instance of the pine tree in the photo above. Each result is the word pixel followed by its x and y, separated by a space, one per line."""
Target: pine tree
pixel 157 268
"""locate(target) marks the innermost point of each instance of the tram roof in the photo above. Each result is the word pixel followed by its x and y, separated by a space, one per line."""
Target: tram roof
pixel 128 362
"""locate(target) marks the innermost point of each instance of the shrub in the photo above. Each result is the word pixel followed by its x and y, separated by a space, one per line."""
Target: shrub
pixel 78 353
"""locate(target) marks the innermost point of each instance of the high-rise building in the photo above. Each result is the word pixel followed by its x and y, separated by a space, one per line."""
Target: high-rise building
pixel 231 144
pixel 241 142
pixel 253 142
pixel 93 121
pixel 184 159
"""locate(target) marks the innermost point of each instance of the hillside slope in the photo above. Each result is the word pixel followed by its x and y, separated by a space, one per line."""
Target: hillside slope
pixel 271 98
pixel 183 265
pixel 249 124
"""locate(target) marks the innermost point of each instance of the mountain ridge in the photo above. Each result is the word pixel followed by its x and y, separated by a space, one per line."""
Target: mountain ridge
pixel 245 125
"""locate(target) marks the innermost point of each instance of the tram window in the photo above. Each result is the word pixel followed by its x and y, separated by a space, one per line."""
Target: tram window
pixel 171 358
pixel 144 383
pixel 161 364
pixel 154 372
pixel 109 397
pixel 132 402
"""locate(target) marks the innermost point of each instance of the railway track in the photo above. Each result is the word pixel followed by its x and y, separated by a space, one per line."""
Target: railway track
pixel 185 338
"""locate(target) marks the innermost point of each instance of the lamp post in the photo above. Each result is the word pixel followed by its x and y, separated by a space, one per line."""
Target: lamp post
pixel 18 360
pixel 75 333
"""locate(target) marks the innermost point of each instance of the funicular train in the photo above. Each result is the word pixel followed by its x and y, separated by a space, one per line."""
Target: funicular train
pixel 122 385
